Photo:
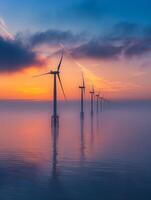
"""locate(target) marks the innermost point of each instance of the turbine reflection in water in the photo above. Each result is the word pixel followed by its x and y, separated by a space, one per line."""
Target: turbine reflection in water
pixel 55 136
pixel 82 140
pixel 98 122
pixel 55 187
pixel 92 131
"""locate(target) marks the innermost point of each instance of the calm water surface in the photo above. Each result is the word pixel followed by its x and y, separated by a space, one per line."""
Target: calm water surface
pixel 107 157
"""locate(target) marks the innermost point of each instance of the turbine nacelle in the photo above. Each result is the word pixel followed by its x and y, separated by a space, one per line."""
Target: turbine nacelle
pixel 54 72
pixel 83 84
pixel 81 87
pixel 92 91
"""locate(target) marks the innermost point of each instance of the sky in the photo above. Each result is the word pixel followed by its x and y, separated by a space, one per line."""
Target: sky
pixel 108 41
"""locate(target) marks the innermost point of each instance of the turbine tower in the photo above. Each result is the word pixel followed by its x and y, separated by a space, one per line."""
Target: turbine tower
pixel 56 74
pixel 82 88
pixel 92 98
pixel 97 102
pixel 101 103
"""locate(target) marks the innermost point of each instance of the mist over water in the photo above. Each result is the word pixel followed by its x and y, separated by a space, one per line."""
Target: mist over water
pixel 105 157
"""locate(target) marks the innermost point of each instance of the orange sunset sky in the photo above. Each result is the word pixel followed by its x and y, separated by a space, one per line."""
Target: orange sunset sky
pixel 113 52
pixel 122 83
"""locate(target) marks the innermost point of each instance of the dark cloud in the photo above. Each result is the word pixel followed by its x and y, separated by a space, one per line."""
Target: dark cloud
pixel 14 56
pixel 126 39
pixel 55 37
pixel 138 47
pixel 97 49
pixel 19 53
pixel 111 50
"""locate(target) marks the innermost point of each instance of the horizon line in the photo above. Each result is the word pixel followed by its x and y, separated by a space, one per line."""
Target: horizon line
pixel 74 100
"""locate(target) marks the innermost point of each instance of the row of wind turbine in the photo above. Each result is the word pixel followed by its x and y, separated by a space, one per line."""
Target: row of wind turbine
pixel 92 95
pixel 56 76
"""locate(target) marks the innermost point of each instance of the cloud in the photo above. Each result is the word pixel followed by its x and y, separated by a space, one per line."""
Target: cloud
pixel 97 49
pixel 18 53
pixel 53 37
pixel 14 56
pixel 124 39
pixel 138 47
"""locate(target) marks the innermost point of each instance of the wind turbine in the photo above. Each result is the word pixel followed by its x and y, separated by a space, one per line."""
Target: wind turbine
pixel 56 74
pixel 97 102
pixel 82 88
pixel 92 98
pixel 101 103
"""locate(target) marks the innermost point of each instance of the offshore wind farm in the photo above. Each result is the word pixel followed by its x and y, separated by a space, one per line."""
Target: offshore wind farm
pixel 75 101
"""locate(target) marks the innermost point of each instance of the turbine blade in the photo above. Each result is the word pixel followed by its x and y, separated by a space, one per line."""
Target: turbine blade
pixel 61 86
pixel 42 74
pixel 59 65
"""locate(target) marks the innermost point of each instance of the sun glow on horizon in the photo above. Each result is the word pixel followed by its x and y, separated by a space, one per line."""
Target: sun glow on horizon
pixel 22 85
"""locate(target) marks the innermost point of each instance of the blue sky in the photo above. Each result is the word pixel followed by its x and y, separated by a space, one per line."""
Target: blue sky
pixel 91 16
